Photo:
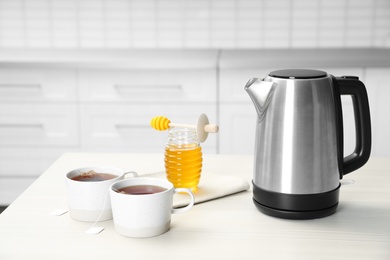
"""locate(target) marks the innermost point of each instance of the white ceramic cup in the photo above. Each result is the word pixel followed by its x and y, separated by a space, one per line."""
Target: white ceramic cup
pixel 145 215
pixel 89 201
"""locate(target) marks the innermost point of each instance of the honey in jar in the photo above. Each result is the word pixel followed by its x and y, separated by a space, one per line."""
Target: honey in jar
pixel 183 158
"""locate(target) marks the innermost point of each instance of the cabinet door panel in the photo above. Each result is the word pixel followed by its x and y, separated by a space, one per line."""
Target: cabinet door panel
pixel 233 81
pixel 12 187
pixel 38 125
pixel 238 124
pixel 379 92
pixel 29 161
pixel 28 84
pixel 177 86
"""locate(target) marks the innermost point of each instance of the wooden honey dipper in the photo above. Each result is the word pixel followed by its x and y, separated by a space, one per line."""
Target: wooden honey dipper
pixel 203 128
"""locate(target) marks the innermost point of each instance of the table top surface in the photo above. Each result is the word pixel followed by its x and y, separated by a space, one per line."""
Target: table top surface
pixel 227 228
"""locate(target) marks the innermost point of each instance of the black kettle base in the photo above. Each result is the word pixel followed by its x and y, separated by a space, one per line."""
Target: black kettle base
pixel 286 214
pixel 296 206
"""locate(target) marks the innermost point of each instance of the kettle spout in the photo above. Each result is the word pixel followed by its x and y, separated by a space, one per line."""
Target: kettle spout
pixel 261 93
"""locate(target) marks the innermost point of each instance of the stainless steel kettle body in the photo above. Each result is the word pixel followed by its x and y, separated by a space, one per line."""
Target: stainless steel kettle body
pixel 298 161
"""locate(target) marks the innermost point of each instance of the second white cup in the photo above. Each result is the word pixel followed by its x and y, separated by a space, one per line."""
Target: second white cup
pixel 142 207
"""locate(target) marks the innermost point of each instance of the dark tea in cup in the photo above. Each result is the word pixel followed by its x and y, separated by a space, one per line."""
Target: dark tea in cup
pixel 141 189
pixel 146 212
pixel 93 176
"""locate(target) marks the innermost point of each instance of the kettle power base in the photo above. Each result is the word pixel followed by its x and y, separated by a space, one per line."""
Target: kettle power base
pixel 302 215
pixel 296 206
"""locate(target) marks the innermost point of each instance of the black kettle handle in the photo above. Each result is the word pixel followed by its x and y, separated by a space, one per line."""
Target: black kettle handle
pixel 352 86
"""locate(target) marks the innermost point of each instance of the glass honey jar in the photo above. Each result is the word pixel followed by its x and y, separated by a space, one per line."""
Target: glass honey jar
pixel 183 158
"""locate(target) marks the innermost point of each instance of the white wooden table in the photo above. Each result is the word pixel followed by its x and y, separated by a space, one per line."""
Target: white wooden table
pixel 226 228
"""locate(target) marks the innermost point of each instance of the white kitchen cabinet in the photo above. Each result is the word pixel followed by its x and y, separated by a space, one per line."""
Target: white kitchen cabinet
pixel 170 86
pixel 11 188
pixel 237 128
pixel 233 81
pixel 38 122
pixel 20 166
pixel 32 84
pixel 237 113
pixel 102 101
pixel 46 112
pixel 116 106
pixel 29 162
pixel 99 105
pixel 377 83
pixel 39 125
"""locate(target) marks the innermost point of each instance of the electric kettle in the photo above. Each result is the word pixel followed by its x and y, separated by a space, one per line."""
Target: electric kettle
pixel 298 160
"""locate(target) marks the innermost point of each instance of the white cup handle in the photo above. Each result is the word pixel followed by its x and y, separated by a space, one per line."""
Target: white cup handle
pixel 189 206
pixel 135 174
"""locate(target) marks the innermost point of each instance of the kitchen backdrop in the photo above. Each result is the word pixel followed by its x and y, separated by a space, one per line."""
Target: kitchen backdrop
pixel 88 75
pixel 194 23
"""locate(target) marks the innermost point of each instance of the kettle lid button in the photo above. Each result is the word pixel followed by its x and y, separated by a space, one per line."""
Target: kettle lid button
pixel 350 77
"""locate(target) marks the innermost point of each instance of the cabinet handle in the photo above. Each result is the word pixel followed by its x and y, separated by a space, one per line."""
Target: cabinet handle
pixel 17 86
pixel 22 125
pixel 130 87
pixel 128 126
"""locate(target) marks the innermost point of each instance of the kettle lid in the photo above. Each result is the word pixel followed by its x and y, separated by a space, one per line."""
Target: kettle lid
pixel 298 74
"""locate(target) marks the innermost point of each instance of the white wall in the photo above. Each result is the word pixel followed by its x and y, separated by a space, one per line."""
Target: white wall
pixel 194 23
